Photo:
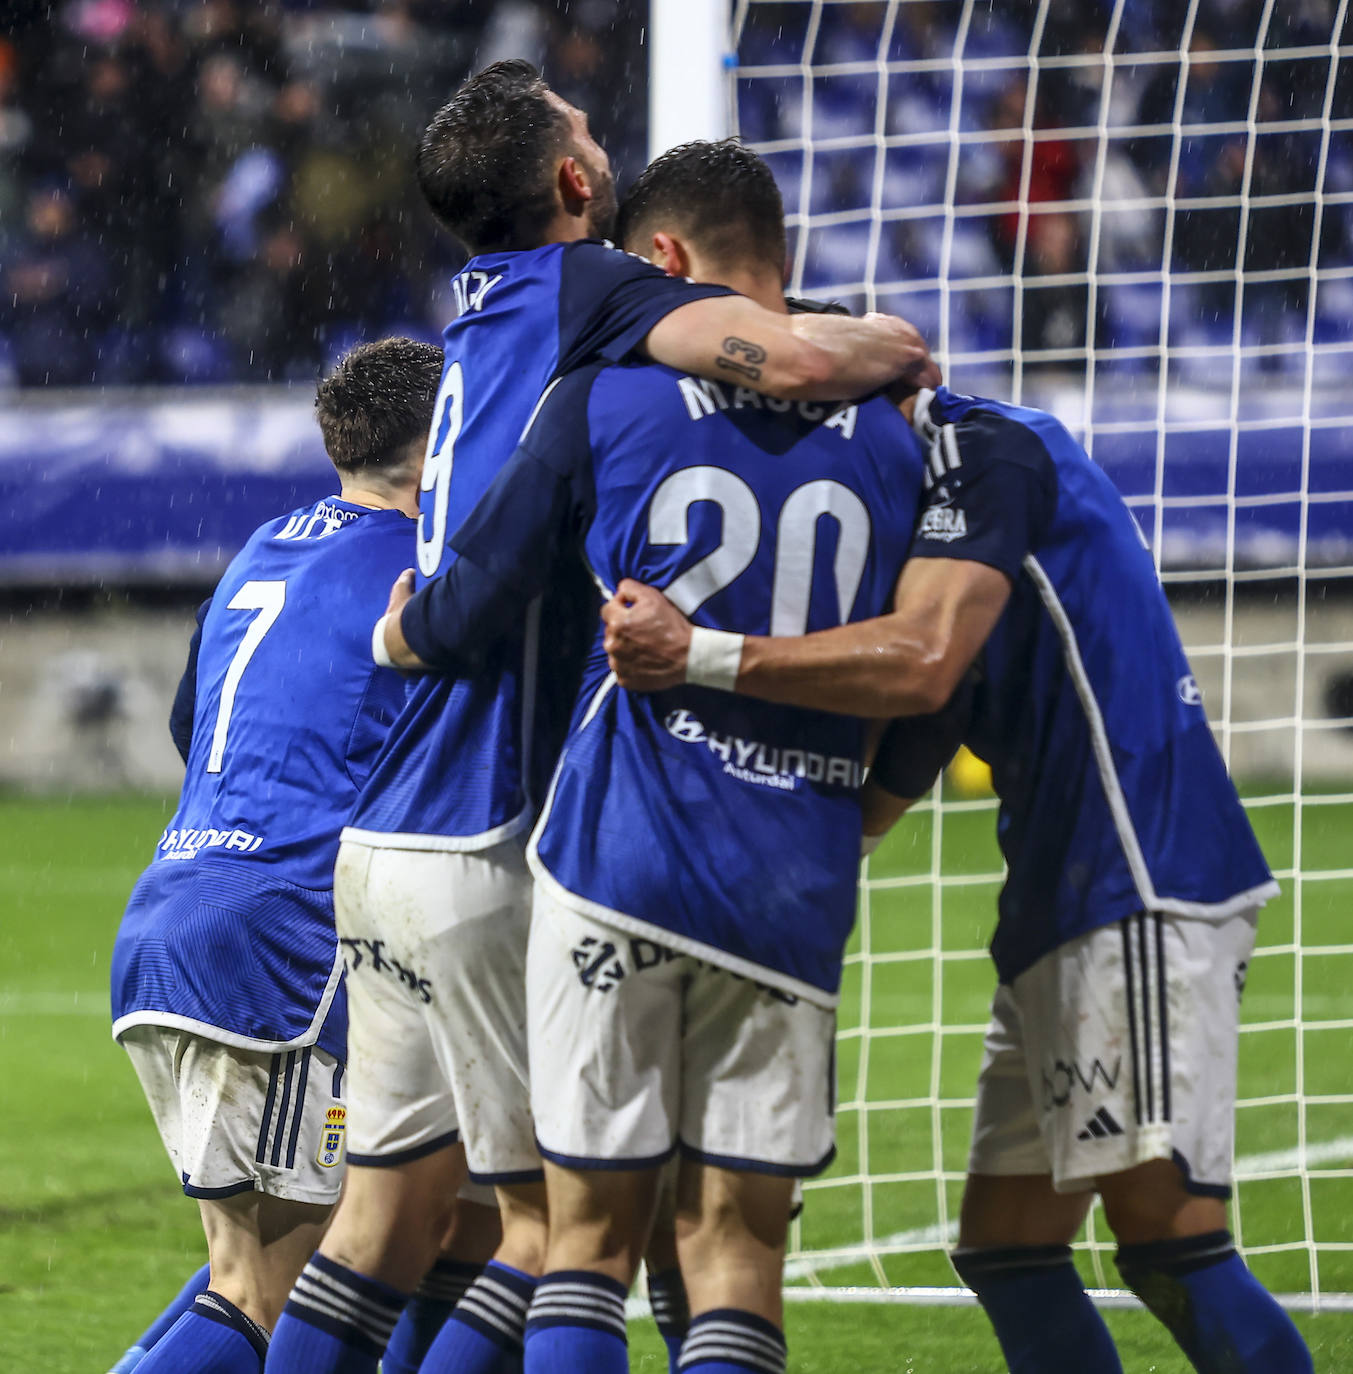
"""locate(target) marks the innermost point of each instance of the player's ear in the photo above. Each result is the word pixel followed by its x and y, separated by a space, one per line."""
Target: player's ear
pixel 574 187
pixel 670 254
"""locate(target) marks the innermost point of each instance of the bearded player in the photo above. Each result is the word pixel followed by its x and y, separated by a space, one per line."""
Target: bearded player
pixel 696 859
pixel 433 863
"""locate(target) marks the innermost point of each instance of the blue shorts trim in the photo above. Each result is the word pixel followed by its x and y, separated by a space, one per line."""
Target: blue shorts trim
pixel 208 1194
pixel 508 1178
pixel 405 1156
pixel 590 1163
pixel 757 1166
pixel 1217 1190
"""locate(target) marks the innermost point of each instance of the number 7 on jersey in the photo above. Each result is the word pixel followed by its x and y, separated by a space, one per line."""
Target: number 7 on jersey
pixel 267 598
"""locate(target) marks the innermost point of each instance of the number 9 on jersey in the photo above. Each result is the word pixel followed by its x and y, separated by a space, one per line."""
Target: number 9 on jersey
pixel 436 484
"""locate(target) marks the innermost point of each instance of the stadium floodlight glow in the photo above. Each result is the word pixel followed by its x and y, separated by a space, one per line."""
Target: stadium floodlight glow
pixel 884 142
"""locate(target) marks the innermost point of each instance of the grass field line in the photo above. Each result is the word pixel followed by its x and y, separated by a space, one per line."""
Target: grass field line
pixel 1279 1161
pixel 76 1003
pixel 824 1261
pixel 1247 1166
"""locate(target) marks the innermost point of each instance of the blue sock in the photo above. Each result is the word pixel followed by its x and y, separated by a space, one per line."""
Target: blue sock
pixel 1043 1316
pixel 577 1325
pixel 336 1321
pixel 433 1301
pixel 199 1283
pixel 730 1341
pixel 484 1334
pixel 1222 1317
pixel 671 1312
pixel 212 1337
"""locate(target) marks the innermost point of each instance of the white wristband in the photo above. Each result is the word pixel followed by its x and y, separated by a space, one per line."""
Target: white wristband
pixel 714 658
pixel 869 843
pixel 378 650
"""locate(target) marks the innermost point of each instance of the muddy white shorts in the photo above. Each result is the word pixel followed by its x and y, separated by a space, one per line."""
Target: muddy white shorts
pixel 637 1050
pixel 1118 1047
pixel 238 1121
pixel 435 947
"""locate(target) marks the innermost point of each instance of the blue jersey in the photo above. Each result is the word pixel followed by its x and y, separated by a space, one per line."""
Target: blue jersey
pixel 457 770
pixel 717 825
pixel 1114 797
pixel 230 931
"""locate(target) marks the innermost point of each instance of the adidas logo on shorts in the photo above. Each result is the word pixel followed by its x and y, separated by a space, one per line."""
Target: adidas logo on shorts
pixel 1100 1126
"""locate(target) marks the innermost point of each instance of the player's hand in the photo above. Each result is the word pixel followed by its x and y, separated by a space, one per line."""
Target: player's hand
pixel 923 372
pixel 397 653
pixel 400 592
pixel 647 638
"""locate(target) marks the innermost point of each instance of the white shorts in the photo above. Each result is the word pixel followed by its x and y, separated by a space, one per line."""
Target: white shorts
pixel 1116 1048
pixel 637 1050
pixel 435 946
pixel 239 1121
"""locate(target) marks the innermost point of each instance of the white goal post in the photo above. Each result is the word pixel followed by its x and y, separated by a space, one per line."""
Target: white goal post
pixel 1145 225
pixel 689 95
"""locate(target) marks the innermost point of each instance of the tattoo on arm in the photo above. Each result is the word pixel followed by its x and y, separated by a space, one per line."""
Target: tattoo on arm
pixel 742 357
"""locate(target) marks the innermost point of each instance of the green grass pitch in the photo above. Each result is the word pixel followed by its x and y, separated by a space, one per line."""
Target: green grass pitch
pixel 95 1237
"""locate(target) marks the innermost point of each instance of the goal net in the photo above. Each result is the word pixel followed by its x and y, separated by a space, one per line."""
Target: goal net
pixel 1136 215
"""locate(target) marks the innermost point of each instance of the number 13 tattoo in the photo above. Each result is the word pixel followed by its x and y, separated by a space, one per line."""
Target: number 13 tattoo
pixel 742 357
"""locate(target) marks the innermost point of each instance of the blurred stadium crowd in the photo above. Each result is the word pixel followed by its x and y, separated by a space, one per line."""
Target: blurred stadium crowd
pixel 217 190
pixel 884 152
pixel 220 190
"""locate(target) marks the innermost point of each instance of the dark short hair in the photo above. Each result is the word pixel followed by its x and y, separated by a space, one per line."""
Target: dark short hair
pixel 376 402
pixel 721 196
pixel 484 161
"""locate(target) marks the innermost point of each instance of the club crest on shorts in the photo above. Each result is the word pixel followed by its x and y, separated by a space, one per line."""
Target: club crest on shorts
pixel 331 1137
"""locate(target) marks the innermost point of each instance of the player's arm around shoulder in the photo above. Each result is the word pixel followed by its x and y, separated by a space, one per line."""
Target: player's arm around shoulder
pixel 794 357
pixel 990 495
pixel 905 663
pixel 616 304
pixel 987 502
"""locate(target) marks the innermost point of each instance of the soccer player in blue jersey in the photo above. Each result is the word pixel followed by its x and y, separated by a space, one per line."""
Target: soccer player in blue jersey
pixel 1128 915
pixel 432 870
pixel 696 857
pixel 226 976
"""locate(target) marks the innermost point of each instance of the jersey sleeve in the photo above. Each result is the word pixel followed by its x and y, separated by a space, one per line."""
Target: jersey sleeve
pixel 914 749
pixel 185 697
pixel 991 493
pixel 509 544
pixel 610 300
